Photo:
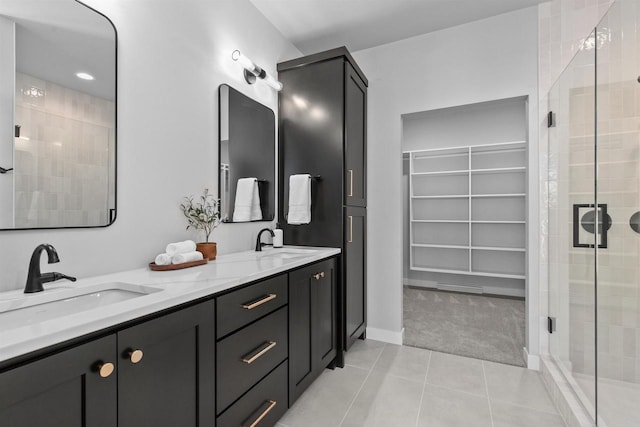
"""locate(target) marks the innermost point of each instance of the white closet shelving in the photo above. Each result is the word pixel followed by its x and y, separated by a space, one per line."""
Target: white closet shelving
pixel 468 210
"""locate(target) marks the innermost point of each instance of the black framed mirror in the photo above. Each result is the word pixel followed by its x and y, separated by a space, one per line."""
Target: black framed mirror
pixel 246 158
pixel 57 115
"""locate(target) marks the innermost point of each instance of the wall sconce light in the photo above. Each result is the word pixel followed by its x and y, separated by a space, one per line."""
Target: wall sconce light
pixel 252 71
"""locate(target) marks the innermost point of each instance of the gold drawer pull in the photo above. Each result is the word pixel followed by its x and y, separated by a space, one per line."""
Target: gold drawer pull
pixel 350 229
pixel 255 303
pixel 350 183
pixel 318 276
pixel 105 369
pixel 271 403
pixel 259 352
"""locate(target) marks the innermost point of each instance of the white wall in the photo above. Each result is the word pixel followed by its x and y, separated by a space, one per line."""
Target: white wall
pixel 7 75
pixel 494 58
pixel 172 57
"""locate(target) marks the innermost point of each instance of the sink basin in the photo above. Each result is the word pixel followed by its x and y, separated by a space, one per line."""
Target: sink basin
pixel 31 309
pixel 287 253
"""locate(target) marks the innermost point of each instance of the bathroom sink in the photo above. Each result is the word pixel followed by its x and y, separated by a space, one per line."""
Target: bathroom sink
pixel 48 305
pixel 287 253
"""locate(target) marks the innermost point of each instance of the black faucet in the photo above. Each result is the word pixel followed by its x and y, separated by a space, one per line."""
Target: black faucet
pixel 35 279
pixel 259 244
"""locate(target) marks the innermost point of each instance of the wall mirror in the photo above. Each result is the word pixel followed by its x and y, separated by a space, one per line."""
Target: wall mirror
pixel 57 115
pixel 246 158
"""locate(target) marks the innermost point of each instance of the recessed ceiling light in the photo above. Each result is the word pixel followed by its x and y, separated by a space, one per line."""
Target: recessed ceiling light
pixel 84 76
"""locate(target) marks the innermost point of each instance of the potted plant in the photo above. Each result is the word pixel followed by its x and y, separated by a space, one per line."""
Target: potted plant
pixel 203 215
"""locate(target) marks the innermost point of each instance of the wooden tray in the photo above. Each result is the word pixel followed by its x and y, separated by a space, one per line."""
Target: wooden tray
pixel 156 267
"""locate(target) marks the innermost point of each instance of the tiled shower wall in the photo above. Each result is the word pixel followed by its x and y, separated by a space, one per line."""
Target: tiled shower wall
pixel 62 159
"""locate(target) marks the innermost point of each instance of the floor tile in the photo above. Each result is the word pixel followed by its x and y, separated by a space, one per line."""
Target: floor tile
pixel 327 400
pixel 457 373
pixel 507 415
pixel 518 386
pixel 407 362
pixel 364 353
pixel 442 407
pixel 385 401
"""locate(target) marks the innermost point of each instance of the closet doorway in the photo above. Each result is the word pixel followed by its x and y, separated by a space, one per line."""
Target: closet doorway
pixel 465 227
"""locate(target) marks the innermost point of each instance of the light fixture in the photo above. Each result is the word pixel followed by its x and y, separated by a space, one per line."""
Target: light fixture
pixel 84 76
pixel 252 71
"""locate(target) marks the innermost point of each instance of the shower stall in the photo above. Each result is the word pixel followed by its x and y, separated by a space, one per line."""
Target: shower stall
pixel 594 219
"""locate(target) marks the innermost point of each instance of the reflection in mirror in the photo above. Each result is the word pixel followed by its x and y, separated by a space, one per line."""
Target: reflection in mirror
pixel 246 158
pixel 57 115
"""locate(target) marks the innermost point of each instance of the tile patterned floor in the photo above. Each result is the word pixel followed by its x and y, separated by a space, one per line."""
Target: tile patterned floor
pixel 389 385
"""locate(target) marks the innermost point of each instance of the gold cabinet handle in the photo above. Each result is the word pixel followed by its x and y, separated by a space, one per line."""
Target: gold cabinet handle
pixel 350 229
pixel 350 171
pixel 105 369
pixel 318 276
pixel 263 413
pixel 258 352
pixel 253 304
pixel 135 356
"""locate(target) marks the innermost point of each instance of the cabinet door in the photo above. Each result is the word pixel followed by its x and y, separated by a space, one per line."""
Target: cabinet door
pixel 324 313
pixel 166 370
pixel 355 129
pixel 67 389
pixel 355 285
pixel 300 364
pixel 312 324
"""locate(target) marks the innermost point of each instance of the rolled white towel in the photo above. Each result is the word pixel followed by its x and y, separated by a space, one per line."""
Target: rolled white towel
pixel 180 247
pixel 187 257
pixel 163 259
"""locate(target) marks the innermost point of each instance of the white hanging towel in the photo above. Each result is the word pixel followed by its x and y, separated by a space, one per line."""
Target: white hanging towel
pixel 247 206
pixel 299 199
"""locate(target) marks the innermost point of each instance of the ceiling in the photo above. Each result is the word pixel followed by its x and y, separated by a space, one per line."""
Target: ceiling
pixel 317 25
pixel 57 39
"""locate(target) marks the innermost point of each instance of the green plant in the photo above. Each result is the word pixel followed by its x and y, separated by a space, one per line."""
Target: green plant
pixel 202 215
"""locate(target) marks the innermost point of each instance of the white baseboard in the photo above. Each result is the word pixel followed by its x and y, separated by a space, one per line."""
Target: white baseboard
pixel 533 361
pixel 491 290
pixel 385 335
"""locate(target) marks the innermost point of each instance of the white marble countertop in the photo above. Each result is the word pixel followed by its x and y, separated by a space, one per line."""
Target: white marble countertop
pixel 173 288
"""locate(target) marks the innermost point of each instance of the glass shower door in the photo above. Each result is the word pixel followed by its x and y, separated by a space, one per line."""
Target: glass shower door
pixel 617 177
pixel 594 219
pixel 571 198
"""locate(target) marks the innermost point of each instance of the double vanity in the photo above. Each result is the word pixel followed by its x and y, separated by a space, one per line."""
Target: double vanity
pixel 231 343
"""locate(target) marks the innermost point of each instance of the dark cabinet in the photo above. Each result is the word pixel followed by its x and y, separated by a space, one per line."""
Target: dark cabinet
pixel 355 137
pixel 322 131
pixel 355 294
pixel 312 324
pixel 160 373
pixel 252 349
pixel 249 355
pixel 166 370
pixel 73 388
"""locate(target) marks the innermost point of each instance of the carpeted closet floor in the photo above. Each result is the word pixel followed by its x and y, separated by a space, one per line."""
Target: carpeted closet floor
pixel 479 326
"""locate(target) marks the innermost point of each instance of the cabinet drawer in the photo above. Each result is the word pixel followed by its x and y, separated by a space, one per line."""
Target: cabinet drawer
pixel 248 355
pixel 267 399
pixel 245 305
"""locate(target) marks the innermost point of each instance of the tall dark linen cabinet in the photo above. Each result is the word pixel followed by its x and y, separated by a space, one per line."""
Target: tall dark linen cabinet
pixel 322 131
